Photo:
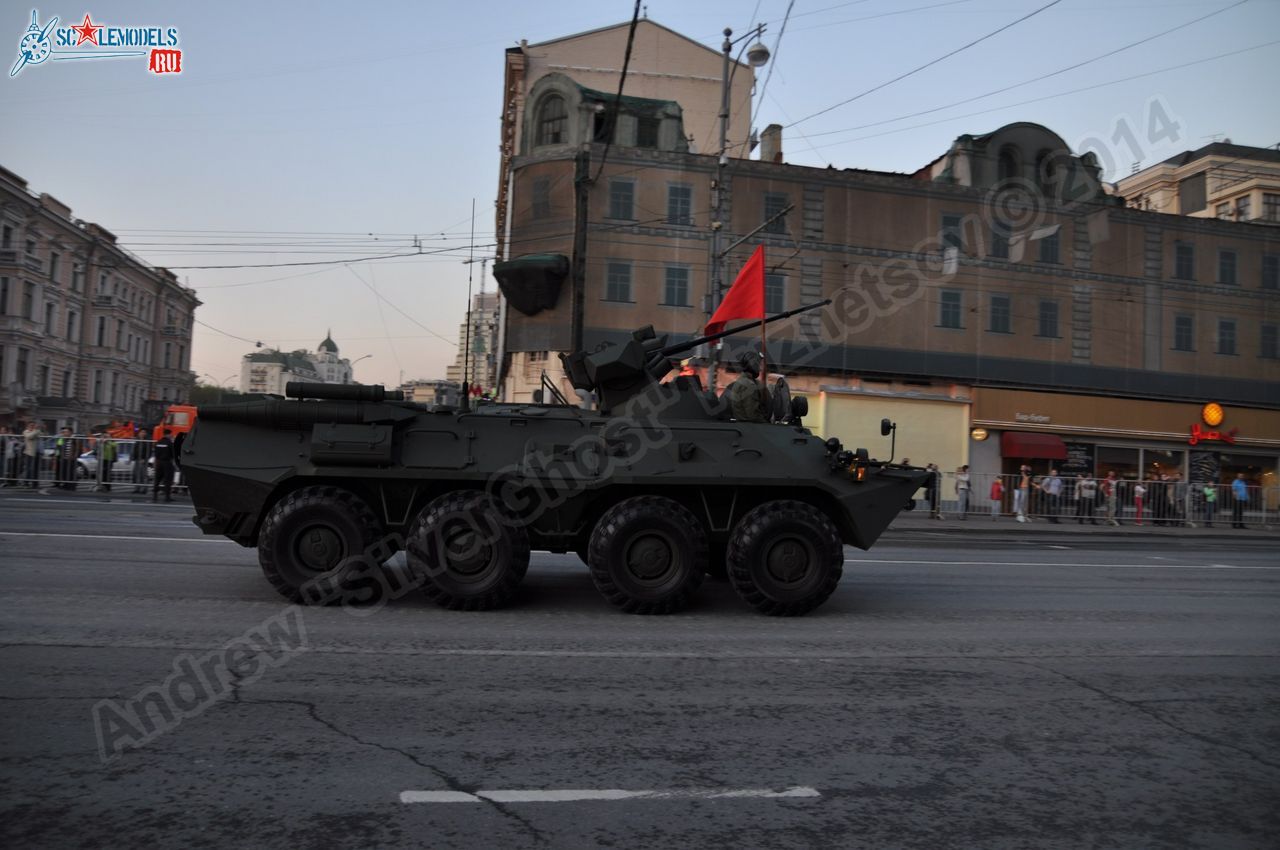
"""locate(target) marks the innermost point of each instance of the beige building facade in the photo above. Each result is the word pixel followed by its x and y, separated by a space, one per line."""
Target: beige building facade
pixel 1220 180
pixel 88 332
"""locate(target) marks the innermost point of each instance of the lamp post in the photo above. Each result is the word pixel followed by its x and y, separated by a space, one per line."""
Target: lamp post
pixel 354 362
pixel 757 55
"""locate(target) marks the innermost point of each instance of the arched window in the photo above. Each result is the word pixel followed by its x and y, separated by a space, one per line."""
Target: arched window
pixel 552 120
pixel 1007 164
pixel 1046 171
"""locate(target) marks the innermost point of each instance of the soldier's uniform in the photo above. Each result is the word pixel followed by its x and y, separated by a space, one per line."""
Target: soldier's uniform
pixel 748 401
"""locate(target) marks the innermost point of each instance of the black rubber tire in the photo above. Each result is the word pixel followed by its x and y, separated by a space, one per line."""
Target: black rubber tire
pixel 486 580
pixel 808 539
pixel 667 536
pixel 335 522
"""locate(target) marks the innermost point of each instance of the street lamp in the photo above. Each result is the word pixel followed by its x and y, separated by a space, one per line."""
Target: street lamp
pixel 757 56
pixel 354 362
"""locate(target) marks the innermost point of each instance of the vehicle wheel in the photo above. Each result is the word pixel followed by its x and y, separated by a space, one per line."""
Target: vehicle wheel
pixel 648 555
pixel 310 532
pixel 785 558
pixel 468 554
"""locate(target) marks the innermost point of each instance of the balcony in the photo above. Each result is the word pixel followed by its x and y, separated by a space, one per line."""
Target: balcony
pixel 173 330
pixel 8 257
pixel 34 264
pixel 104 301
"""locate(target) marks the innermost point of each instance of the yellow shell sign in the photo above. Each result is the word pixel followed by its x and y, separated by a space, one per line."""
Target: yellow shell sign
pixel 1212 414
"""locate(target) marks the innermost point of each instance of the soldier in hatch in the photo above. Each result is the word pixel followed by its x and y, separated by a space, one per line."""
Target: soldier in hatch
pixel 749 400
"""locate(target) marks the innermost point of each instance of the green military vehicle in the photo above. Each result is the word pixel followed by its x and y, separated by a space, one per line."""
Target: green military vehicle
pixel 654 488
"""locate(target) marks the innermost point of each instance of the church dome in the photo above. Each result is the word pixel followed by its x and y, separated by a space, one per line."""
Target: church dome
pixel 327 344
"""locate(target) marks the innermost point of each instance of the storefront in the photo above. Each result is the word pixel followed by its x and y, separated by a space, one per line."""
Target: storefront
pixel 1199 440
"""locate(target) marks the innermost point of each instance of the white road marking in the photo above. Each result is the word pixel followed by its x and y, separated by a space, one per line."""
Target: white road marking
pixel 1051 564
pixel 1059 547
pixel 572 795
pixel 115 537
pixel 67 503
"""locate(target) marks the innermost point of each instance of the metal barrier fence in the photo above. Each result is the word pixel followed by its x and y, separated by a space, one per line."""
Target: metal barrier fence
pixel 1073 499
pixel 89 462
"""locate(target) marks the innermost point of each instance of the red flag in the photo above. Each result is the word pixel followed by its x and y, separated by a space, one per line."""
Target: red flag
pixel 745 299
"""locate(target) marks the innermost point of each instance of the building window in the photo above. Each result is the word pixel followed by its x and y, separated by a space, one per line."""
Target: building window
pixel 618 282
pixel 949 309
pixel 679 204
pixel 1184 261
pixel 1184 333
pixel 1223 211
pixel 120 336
pixel 1049 247
pixel 42 381
pixel 72 316
pixel 24 356
pixel 4 303
pixel 676 291
pixel 1000 239
pixel 68 390
pixel 775 293
pixel 1007 165
pixel 168 355
pixel 1267 343
pixel 647 132
pixel 77 277
pixel 542 197
pixel 101 338
pixel 97 386
pixel 1243 208
pixel 552 121
pixel 1271 271
pixel 31 247
pixel 1049 319
pixel 950 234
pixel 774 204
pixel 1270 207
pixel 54 260
pixel 622 195
pixel 6 241
pixel 1226 336
pixel 182 356
pixel 1227 267
pixel 29 301
pixel 50 316
pixel 1001 315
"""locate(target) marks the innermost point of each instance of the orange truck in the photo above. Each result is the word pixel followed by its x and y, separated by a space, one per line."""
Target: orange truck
pixel 178 419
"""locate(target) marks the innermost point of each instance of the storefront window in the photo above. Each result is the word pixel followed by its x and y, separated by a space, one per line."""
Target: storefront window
pixel 1157 462
pixel 1257 469
pixel 1123 462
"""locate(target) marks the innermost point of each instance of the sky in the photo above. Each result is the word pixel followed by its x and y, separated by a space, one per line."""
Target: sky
pixel 318 131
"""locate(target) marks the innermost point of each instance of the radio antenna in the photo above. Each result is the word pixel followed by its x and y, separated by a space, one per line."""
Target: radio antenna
pixel 465 404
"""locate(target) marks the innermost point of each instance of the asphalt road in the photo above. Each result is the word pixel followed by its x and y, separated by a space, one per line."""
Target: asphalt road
pixel 961 689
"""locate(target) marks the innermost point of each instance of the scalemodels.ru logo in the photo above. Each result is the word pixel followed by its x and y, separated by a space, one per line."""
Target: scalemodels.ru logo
pixel 98 41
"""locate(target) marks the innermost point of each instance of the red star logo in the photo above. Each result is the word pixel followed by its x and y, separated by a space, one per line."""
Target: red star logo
pixel 87 31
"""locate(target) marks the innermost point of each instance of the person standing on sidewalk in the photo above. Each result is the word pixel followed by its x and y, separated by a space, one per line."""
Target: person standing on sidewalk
pixel 962 490
pixel 1239 497
pixel 1086 494
pixel 1110 492
pixel 1051 486
pixel 164 467
pixel 8 456
pixel 1210 503
pixel 932 489
pixel 997 496
pixel 1139 493
pixel 31 455
pixel 1022 494
pixel 66 450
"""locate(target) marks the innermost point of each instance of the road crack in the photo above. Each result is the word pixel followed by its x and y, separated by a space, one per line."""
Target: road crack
pixel 1138 705
pixel 451 782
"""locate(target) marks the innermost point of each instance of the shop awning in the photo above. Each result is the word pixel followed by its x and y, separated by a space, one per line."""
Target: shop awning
pixel 1028 445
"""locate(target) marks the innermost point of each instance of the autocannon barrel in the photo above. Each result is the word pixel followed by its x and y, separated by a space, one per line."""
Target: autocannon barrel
pixel 681 347
pixel 341 392
pixel 278 413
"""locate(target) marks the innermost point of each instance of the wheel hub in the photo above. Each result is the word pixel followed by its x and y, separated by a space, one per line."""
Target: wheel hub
pixel 319 548
pixel 649 556
pixel 467 552
pixel 789 559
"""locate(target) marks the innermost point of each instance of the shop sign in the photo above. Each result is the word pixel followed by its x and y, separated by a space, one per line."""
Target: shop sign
pixel 1212 414
pixel 1034 418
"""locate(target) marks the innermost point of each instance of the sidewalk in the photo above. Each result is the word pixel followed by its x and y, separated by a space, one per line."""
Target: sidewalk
pixel 85 492
pixel 918 520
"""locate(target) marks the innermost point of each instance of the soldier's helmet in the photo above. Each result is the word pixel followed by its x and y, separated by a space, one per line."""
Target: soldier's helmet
pixel 750 363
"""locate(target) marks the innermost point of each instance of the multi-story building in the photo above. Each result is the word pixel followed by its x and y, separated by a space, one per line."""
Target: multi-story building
pixel 480 367
pixel 1220 180
pixel 88 332
pixel 997 302
pixel 268 371
pixel 445 393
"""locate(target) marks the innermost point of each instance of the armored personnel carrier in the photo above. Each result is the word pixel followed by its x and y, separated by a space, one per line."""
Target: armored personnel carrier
pixel 654 488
